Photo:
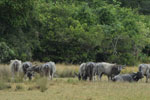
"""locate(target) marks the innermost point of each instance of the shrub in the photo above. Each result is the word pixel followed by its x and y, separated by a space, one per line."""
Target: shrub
pixel 5 53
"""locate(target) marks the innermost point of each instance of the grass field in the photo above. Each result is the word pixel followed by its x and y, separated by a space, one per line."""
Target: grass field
pixel 69 88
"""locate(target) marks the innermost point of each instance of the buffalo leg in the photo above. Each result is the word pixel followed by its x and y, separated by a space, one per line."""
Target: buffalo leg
pixel 100 75
pixel 147 79
pixel 90 78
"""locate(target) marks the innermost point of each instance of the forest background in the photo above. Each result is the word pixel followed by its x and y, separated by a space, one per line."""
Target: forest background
pixel 75 31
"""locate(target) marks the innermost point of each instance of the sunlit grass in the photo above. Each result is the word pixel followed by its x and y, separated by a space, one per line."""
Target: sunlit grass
pixel 72 89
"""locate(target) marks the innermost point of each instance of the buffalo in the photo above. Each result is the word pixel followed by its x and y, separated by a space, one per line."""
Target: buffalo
pixel 145 70
pixel 82 72
pixel 25 66
pixel 15 66
pixel 107 69
pixel 47 70
pixel 86 71
pixel 133 77
pixel 26 69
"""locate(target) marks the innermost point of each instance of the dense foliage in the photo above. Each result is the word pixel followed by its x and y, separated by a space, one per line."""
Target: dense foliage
pixel 75 31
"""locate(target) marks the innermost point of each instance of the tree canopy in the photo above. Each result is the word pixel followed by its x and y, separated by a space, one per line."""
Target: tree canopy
pixel 75 31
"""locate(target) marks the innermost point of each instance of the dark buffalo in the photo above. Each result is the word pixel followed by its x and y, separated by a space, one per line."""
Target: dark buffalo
pixel 86 71
pixel 133 77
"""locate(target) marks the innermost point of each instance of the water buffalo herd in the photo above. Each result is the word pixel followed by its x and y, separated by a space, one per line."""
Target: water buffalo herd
pixel 47 70
pixel 87 71
pixel 90 70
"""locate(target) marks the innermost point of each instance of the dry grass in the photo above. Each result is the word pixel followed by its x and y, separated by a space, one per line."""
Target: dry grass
pixel 72 89
pixel 42 83
pixel 5 72
pixel 130 69
pixel 66 70
pixel 62 89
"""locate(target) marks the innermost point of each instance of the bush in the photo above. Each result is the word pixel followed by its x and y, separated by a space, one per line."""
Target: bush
pixel 71 31
pixel 144 58
pixel 5 52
